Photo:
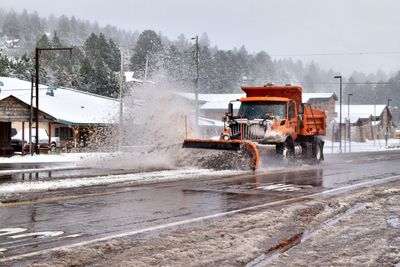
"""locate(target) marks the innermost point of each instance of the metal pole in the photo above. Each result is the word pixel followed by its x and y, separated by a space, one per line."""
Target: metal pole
pixel 340 113
pixel 37 58
pixel 196 81
pixel 146 67
pixel 37 54
pixel 348 116
pixel 333 136
pixel 374 130
pixel 387 121
pixel 121 86
pixel 30 119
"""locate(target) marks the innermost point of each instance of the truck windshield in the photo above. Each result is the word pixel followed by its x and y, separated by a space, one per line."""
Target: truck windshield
pixel 262 109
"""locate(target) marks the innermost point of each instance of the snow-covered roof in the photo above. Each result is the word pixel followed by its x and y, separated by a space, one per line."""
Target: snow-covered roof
pixel 129 77
pixel 225 98
pixel 307 96
pixel 359 111
pixel 67 105
pixel 209 122
pixel 375 123
pixel 218 106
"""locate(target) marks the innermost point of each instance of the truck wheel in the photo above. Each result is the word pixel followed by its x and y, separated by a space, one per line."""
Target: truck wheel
pixel 285 149
pixel 317 150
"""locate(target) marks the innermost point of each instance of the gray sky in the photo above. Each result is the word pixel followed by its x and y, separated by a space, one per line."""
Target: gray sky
pixel 280 27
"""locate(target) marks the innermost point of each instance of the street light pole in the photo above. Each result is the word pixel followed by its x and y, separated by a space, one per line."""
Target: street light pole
pixel 340 113
pixel 348 116
pixel 196 81
pixel 387 121
pixel 120 94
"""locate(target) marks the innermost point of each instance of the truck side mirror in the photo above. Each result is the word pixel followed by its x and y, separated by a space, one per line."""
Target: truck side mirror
pixel 230 109
pixel 301 115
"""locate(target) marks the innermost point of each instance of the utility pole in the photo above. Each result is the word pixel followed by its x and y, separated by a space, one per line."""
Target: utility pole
pixel 146 68
pixel 348 116
pixel 30 118
pixel 340 113
pixel 37 66
pixel 121 90
pixel 196 81
pixel 387 121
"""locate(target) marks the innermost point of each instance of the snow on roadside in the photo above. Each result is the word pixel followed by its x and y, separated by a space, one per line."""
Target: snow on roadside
pixel 369 145
pixel 120 159
pixel 45 158
pixel 140 178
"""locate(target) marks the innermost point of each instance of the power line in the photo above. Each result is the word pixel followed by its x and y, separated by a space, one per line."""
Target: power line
pixel 338 54
pixel 355 83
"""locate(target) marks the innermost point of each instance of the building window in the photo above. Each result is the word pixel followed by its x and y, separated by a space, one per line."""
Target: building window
pixel 63 132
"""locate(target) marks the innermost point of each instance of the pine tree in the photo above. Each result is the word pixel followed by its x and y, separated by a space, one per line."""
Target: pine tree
pixel 64 27
pixel 35 26
pixel 148 45
pixel 43 42
pixel 91 47
pixel 4 66
pixel 11 26
pixel 87 75
pixel 114 56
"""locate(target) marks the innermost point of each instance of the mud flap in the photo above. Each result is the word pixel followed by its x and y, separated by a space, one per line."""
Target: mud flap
pixel 318 144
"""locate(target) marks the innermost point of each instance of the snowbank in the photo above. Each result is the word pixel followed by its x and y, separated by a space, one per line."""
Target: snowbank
pixel 137 178
pixel 44 158
pixel 369 145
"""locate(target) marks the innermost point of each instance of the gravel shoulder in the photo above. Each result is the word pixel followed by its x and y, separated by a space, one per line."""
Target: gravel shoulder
pixel 357 228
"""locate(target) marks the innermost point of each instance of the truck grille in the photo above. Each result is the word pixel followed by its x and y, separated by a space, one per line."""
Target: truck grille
pixel 250 132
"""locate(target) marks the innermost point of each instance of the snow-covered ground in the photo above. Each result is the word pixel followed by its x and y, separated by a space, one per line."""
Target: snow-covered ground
pixel 369 145
pixel 136 178
pixel 63 157
pixel 360 228
pixel 142 176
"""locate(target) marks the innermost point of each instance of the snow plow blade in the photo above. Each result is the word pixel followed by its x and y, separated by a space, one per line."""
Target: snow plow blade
pixel 248 149
pixel 211 144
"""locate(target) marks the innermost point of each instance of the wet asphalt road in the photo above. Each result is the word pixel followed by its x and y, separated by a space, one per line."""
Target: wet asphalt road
pixel 71 217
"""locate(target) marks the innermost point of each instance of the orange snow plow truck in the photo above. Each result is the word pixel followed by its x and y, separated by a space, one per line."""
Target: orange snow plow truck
pixel 270 115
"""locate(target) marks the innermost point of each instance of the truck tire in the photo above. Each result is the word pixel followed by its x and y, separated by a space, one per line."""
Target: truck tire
pixel 285 149
pixel 317 150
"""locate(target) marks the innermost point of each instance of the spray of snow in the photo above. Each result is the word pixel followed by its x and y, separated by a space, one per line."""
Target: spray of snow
pixel 151 131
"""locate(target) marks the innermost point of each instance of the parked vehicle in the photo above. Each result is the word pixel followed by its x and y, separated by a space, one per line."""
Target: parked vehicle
pixel 23 146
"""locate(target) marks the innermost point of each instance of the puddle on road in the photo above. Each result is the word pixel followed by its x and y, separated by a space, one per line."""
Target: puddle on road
pixel 260 184
pixel 44 175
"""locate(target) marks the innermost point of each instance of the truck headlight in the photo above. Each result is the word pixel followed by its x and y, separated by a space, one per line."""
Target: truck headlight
pixel 225 137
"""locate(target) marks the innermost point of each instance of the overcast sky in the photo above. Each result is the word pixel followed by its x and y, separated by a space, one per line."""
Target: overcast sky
pixel 280 27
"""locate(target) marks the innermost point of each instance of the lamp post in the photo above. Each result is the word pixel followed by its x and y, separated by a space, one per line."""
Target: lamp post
pixel 196 81
pixel 387 121
pixel 340 112
pixel 348 116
